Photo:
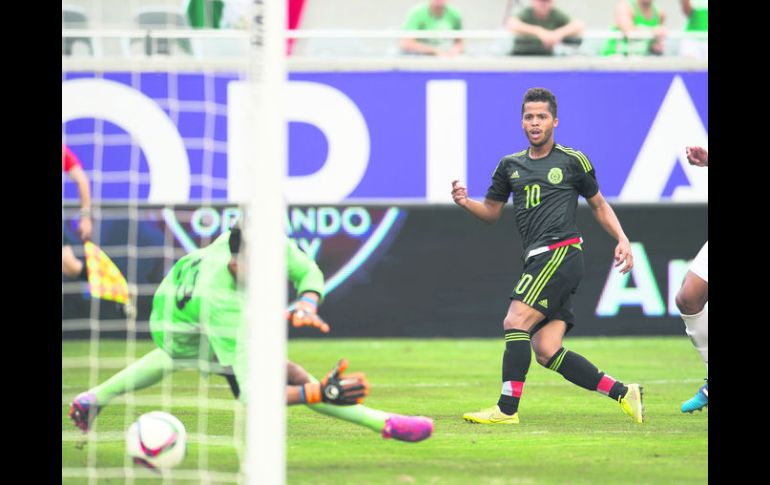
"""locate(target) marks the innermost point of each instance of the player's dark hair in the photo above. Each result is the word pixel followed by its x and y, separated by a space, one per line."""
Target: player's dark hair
pixel 235 240
pixel 540 95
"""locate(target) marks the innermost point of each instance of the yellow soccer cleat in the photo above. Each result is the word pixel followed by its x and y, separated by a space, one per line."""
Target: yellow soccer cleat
pixel 491 415
pixel 632 403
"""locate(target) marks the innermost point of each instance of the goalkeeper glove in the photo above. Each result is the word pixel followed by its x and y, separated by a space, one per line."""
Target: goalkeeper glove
pixel 305 314
pixel 338 389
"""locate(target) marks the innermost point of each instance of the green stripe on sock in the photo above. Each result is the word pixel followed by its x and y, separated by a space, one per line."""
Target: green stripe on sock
pixel 557 363
pixel 517 335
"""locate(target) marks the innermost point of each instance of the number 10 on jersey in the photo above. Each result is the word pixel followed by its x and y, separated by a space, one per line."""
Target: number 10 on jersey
pixel 532 195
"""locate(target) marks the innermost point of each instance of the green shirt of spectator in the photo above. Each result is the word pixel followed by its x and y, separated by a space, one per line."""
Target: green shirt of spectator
pixel 434 15
pixel 697 12
pixel 540 27
pixel 695 46
pixel 637 15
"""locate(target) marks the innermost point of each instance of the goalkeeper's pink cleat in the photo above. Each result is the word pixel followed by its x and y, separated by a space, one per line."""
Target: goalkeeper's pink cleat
pixel 83 410
pixel 407 428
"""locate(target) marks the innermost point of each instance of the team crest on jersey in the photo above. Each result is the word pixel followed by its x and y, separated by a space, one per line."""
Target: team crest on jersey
pixel 555 175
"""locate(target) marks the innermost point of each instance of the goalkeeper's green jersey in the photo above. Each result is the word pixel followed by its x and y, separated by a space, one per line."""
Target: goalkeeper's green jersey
pixel 197 308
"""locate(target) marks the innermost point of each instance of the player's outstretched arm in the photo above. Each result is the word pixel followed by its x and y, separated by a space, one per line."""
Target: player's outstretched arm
pixel 488 211
pixel 304 312
pixel 335 388
pixel 308 279
pixel 609 221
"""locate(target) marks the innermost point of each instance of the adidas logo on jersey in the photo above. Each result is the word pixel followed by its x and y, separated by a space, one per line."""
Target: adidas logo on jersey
pixel 515 174
pixel 543 303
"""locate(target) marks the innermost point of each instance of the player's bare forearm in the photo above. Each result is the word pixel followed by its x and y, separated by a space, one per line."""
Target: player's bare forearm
pixel 607 218
pixel 488 211
pixel 293 395
pixel 485 211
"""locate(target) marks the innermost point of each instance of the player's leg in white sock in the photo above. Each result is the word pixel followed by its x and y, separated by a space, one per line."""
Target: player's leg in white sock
pixel 692 301
pixel 697 327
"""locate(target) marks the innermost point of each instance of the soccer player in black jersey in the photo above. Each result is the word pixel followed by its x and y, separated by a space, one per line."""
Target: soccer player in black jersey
pixel 545 181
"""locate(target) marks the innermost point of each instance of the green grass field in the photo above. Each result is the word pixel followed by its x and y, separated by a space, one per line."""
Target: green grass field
pixel 566 435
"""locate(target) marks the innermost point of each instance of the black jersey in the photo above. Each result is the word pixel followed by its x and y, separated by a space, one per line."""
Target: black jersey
pixel 545 192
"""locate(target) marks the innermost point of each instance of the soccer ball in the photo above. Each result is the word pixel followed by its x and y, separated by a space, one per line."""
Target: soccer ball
pixel 157 440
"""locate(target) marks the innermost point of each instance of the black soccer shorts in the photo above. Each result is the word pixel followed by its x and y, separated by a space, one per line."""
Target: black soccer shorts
pixel 548 282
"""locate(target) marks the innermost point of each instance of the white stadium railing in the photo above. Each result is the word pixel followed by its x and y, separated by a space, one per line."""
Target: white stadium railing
pixel 212 44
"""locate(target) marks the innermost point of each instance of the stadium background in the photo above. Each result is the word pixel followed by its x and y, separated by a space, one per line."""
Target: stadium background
pixel 374 138
pixel 379 129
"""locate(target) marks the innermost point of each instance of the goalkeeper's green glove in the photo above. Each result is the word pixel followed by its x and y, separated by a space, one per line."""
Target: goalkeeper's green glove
pixel 304 314
pixel 338 389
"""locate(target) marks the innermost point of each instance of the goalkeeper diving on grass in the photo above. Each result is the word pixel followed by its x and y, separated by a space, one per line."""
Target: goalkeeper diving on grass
pixel 196 321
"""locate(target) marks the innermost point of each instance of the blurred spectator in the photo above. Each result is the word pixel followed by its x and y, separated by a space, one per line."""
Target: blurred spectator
pixel 219 14
pixel 540 27
pixel 697 13
pixel 634 16
pixel 433 15
pixel 205 14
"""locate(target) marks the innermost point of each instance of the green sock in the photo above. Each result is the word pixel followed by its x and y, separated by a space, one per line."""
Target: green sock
pixel 145 372
pixel 357 414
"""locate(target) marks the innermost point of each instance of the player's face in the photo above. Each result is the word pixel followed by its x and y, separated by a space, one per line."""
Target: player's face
pixel 538 123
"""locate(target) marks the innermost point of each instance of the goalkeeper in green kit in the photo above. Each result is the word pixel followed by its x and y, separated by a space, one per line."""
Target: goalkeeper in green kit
pixel 196 321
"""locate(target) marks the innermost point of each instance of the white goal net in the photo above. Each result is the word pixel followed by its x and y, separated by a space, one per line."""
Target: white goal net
pixel 160 124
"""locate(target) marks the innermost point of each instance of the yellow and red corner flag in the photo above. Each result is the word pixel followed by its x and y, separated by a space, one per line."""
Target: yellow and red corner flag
pixel 105 280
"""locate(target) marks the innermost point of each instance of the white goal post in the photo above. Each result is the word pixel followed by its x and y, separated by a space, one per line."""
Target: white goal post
pixel 265 457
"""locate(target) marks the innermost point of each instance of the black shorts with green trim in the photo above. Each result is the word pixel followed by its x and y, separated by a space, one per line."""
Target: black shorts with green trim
pixel 548 282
